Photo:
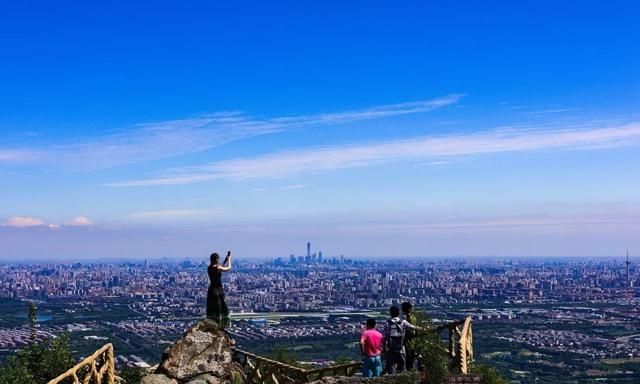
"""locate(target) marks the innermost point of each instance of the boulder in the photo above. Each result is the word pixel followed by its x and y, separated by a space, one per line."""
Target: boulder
pixel 204 379
pixel 203 355
pixel 157 379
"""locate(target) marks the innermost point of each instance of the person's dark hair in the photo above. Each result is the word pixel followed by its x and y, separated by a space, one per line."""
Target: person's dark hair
pixel 406 307
pixel 371 323
pixel 215 258
pixel 394 311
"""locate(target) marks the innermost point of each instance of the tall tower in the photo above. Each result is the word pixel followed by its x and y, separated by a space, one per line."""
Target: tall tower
pixel 308 249
pixel 628 263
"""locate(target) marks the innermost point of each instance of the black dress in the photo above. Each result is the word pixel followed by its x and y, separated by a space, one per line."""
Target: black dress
pixel 217 309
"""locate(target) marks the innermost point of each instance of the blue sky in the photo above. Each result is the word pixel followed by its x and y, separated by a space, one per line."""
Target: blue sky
pixel 158 129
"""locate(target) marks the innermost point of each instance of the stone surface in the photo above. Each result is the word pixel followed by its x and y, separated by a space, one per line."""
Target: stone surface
pixel 204 379
pixel 157 379
pixel 204 349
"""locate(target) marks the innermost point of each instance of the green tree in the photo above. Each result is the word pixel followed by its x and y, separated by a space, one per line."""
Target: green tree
pixel 431 350
pixel 489 374
pixel 46 360
pixel 131 375
pixel 15 374
pixel 283 355
pixel 32 321
pixel 38 362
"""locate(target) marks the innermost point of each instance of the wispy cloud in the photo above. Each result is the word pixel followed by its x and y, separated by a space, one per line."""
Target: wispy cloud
pixel 18 155
pixel 173 213
pixel 322 159
pixel 511 223
pixel 373 113
pixel 292 187
pixel 152 141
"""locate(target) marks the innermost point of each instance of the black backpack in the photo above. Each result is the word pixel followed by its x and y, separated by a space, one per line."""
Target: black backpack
pixel 396 335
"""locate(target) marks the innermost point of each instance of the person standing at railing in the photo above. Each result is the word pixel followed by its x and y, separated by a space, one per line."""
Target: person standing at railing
pixel 371 348
pixel 407 312
pixel 394 335
pixel 217 309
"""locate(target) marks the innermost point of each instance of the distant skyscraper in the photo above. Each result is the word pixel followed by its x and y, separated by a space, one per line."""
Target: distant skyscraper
pixel 628 264
pixel 309 249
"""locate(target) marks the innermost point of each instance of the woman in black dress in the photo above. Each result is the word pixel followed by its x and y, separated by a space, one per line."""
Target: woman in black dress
pixel 217 309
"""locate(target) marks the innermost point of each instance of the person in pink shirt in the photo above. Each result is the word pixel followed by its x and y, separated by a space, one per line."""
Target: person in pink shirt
pixel 371 347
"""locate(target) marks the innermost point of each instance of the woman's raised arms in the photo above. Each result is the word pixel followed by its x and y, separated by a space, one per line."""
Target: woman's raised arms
pixel 226 266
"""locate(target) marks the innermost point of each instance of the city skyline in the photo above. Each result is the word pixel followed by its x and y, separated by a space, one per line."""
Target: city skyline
pixel 133 132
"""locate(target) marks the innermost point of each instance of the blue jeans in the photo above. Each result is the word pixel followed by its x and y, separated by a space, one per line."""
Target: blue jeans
pixel 371 366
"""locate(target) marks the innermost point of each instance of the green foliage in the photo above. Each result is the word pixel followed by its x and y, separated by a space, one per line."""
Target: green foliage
pixel 46 360
pixel 409 377
pixel 341 360
pixel 131 375
pixel 237 378
pixel 489 374
pixel 32 320
pixel 38 363
pixel 283 355
pixel 15 374
pixel 432 353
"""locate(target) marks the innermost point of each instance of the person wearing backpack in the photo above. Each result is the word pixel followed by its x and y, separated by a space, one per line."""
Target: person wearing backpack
pixel 394 334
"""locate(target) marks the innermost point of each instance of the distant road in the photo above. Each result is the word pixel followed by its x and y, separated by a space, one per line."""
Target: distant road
pixel 625 339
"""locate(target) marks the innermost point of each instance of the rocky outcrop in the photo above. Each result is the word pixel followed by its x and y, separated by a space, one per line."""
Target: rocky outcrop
pixel 202 356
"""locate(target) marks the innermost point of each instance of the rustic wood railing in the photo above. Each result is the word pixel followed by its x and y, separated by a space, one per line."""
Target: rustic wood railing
pixel 460 345
pixel 98 368
pixel 262 370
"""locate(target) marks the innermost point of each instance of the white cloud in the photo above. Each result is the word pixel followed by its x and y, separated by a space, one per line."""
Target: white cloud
pixel 80 221
pixel 438 148
pixel 18 155
pixel 174 213
pixel 375 112
pixel 152 141
pixel 292 187
pixel 23 221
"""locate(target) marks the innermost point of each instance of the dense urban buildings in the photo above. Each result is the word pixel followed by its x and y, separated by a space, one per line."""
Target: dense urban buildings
pixel 547 308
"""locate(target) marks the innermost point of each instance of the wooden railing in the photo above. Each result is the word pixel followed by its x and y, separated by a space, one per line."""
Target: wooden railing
pixel 460 345
pixel 262 370
pixel 98 368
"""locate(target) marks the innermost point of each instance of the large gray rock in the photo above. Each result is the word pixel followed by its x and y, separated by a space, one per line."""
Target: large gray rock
pixel 204 379
pixel 157 379
pixel 204 349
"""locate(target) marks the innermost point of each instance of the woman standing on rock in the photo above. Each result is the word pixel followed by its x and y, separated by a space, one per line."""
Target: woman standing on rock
pixel 217 309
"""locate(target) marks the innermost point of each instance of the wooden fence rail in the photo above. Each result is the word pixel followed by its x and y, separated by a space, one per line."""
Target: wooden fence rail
pixel 460 345
pixel 98 368
pixel 262 370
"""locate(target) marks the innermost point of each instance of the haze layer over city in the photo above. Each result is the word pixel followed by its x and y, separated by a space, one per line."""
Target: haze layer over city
pixel 477 159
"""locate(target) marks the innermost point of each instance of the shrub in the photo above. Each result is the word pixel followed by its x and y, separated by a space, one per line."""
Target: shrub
pixel 431 351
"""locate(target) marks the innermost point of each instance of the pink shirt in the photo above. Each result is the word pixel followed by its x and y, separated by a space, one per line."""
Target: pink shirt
pixel 371 341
